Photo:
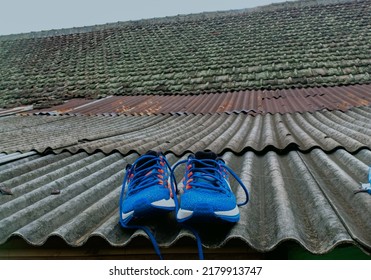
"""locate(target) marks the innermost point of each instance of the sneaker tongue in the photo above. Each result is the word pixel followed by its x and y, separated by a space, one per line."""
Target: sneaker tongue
pixel 205 167
pixel 143 163
pixel 152 153
pixel 204 155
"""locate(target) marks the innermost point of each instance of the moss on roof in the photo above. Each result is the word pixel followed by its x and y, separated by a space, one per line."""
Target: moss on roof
pixel 300 44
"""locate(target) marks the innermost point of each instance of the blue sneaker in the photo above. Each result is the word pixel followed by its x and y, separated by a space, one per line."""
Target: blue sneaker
pixel 207 194
pixel 146 189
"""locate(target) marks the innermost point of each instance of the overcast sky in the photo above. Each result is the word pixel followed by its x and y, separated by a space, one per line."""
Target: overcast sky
pixel 20 16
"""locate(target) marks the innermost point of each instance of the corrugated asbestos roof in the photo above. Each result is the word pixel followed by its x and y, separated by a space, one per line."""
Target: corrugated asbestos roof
pixel 249 102
pixel 178 134
pixel 306 197
pixel 230 82
pixel 301 44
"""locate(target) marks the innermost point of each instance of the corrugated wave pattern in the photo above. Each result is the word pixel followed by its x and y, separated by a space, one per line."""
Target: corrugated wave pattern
pixel 250 102
pixel 179 134
pixel 306 197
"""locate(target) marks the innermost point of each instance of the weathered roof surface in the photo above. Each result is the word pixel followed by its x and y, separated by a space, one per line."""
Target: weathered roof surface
pixel 16 110
pixel 306 197
pixel 285 46
pixel 178 134
pixel 264 88
pixel 249 102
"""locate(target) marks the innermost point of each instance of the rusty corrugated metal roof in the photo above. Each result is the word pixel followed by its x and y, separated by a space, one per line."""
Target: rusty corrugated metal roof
pixel 251 102
pixel 72 104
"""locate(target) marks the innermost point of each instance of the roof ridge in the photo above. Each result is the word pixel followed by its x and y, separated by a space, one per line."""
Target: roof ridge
pixel 172 19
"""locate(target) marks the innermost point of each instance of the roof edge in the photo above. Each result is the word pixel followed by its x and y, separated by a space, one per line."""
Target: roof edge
pixel 172 19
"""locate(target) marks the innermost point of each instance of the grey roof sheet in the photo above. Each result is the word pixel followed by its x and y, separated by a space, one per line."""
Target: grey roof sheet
pixel 305 197
pixel 350 130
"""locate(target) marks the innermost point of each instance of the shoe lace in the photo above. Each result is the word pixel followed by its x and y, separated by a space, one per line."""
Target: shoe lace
pixel 143 178
pixel 208 170
pixel 208 176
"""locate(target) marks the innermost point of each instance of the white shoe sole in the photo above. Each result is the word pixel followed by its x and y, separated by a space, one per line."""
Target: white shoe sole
pixel 167 204
pixel 186 214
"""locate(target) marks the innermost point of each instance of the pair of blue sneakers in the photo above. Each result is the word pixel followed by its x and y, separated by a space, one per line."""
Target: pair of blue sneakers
pixel 149 187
